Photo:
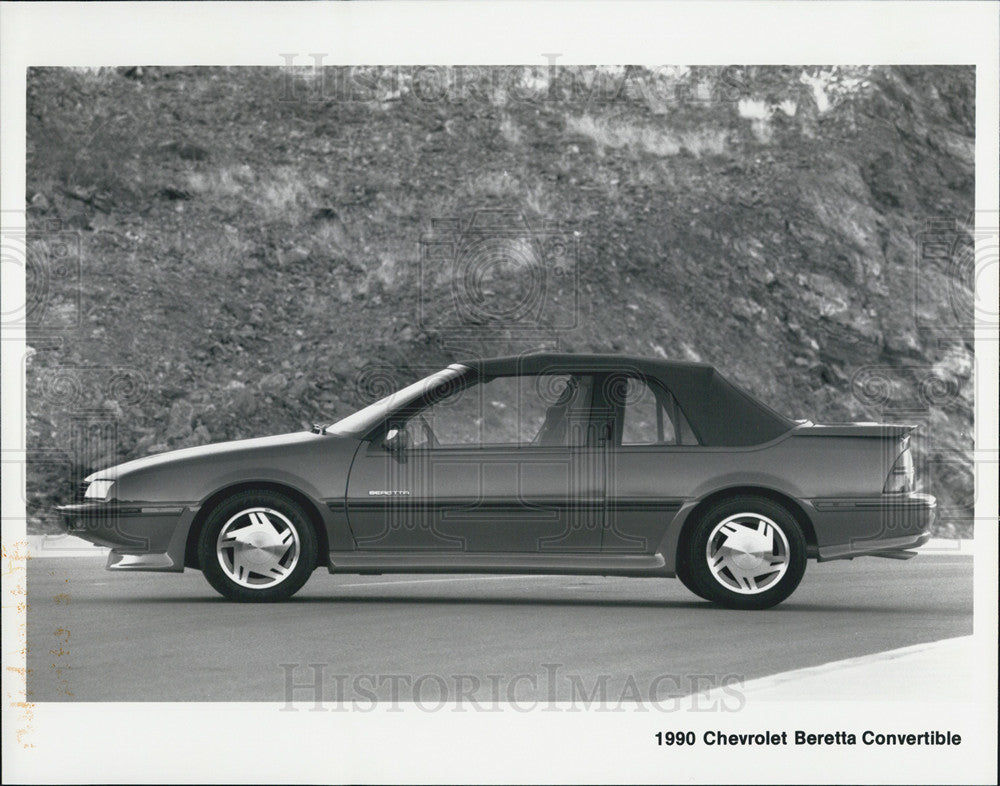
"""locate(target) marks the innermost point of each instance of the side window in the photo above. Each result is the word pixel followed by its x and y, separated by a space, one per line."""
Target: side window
pixel 540 409
pixel 644 420
pixel 649 415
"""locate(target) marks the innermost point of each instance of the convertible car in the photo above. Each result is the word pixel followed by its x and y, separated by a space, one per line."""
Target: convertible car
pixel 539 464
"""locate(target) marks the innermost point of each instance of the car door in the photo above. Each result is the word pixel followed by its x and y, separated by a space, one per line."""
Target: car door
pixel 650 438
pixel 501 464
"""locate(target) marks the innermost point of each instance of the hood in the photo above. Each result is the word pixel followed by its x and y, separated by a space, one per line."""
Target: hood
pixel 173 457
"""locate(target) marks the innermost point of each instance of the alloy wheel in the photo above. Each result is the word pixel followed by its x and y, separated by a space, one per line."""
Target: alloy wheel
pixel 747 553
pixel 258 547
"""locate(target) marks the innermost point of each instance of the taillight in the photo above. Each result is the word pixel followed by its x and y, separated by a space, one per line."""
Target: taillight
pixel 900 478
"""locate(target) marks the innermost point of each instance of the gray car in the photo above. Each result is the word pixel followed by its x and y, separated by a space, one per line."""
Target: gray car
pixel 538 464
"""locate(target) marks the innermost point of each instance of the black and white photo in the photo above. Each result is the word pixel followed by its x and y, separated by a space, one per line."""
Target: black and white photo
pixel 363 392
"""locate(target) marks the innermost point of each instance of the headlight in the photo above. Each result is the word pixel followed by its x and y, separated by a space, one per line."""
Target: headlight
pixel 99 489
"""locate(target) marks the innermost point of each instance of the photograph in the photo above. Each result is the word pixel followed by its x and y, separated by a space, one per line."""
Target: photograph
pixel 478 392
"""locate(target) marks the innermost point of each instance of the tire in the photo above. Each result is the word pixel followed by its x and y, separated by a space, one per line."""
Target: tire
pixel 685 576
pixel 745 553
pixel 257 546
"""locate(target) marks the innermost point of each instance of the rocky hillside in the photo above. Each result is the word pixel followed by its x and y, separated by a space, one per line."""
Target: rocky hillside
pixel 220 253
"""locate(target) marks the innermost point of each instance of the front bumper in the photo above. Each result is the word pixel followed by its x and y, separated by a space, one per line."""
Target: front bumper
pixel 871 526
pixel 140 536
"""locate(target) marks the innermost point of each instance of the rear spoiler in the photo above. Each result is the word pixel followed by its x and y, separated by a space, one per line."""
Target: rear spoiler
pixel 880 430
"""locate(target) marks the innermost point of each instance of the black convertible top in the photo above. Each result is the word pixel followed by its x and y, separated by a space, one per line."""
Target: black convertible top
pixel 720 413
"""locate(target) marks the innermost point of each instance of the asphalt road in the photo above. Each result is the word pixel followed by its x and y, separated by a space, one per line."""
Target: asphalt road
pixel 98 636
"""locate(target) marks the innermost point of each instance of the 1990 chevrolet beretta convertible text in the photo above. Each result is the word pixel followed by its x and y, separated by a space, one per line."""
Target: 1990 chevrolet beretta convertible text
pixel 546 463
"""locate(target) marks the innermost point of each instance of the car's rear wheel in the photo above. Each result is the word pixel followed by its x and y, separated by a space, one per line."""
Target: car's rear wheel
pixel 257 546
pixel 746 553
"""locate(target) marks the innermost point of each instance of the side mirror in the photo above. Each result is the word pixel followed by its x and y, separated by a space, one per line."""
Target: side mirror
pixel 395 439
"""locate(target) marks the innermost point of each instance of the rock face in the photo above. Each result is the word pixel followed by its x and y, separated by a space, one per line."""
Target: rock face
pixel 807 231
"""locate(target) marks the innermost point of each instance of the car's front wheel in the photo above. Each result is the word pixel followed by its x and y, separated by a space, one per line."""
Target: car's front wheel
pixel 684 574
pixel 746 553
pixel 257 546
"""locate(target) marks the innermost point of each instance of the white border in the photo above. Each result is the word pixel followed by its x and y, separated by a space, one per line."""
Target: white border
pixel 135 742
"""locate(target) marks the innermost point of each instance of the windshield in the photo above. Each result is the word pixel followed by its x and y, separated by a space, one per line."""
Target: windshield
pixel 365 419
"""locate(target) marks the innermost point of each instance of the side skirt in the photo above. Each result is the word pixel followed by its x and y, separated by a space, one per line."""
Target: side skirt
pixel 528 563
